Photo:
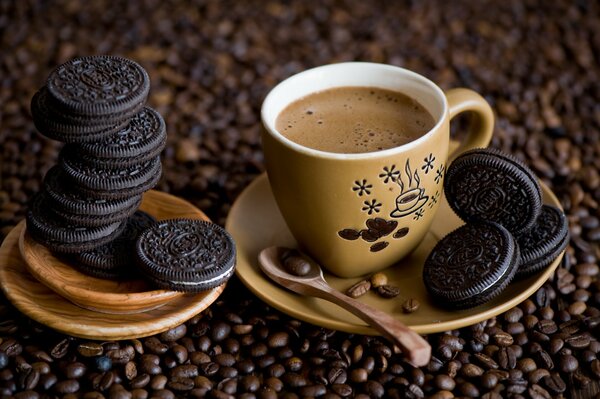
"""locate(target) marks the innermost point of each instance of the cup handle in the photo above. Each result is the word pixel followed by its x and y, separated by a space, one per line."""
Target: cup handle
pixel 482 123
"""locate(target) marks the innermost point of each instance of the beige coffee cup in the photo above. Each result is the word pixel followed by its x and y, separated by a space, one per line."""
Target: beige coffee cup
pixel 360 213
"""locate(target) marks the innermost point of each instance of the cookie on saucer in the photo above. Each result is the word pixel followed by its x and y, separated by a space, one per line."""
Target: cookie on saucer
pixel 186 255
pixel 544 242
pixel 471 265
pixel 485 184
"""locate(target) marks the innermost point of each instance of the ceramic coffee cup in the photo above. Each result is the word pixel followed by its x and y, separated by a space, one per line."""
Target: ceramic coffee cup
pixel 360 213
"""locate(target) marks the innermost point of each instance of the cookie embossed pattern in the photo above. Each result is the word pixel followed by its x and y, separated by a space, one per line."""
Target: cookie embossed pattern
pixel 410 201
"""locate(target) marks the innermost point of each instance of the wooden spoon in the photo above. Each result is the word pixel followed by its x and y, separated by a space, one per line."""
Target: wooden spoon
pixel 416 349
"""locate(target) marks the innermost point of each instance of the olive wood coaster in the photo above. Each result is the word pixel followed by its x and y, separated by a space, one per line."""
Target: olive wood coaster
pixel 47 307
pixel 103 295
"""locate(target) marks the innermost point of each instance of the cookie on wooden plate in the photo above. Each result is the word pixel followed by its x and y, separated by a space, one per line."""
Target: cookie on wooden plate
pixel 143 138
pixel 485 184
pixel 116 260
pixel 59 236
pixel 471 265
pixel 186 255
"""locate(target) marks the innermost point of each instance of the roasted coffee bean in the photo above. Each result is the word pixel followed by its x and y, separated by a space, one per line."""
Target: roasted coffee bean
pixel 489 380
pixel 555 383
pixel 486 361
pixel 90 349
pixel 470 370
pixel 595 367
pixel 75 370
pixel 444 382
pixel 66 386
pixel 388 291
pixel 359 289
pixel 11 347
pixel 180 384
pixel 468 389
pixel 295 263
pixel 502 338
pixel 410 305
pixel 507 358
pixel 174 333
pixel 537 392
pixel 294 380
pixel 155 346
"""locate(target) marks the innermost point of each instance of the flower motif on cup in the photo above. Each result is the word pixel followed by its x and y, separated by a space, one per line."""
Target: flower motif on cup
pixel 389 173
pixel 412 197
pixel 419 214
pixel 371 206
pixel 434 199
pixel 362 187
pixel 439 174
pixel 428 165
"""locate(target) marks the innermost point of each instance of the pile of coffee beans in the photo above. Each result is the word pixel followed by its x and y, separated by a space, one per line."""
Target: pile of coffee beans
pixel 211 64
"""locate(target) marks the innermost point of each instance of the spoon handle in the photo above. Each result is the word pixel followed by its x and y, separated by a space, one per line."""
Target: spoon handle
pixel 416 349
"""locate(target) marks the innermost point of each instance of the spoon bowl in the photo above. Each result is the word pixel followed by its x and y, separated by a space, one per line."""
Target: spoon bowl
pixel 416 349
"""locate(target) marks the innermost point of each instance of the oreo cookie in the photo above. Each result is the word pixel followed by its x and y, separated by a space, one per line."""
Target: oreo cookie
pixel 51 231
pixel 544 242
pixel 64 200
pixel 115 183
pixel 98 86
pixel 485 184
pixel 143 138
pixel 78 219
pixel 471 265
pixel 57 126
pixel 116 260
pixel 186 255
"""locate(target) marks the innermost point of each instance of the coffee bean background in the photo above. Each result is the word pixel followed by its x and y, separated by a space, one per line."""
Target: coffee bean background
pixel 211 64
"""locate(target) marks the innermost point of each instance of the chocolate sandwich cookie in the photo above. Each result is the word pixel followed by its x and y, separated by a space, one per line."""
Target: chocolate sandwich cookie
pixel 98 86
pixel 116 259
pixel 485 184
pixel 143 138
pixel 58 236
pixel 471 265
pixel 78 219
pixel 64 200
pixel 544 242
pixel 58 127
pixel 121 182
pixel 186 255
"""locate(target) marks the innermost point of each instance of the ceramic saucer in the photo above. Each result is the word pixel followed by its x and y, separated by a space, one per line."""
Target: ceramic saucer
pixel 256 223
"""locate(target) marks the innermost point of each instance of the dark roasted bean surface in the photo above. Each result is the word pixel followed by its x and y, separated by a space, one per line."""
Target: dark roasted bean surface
pixel 211 63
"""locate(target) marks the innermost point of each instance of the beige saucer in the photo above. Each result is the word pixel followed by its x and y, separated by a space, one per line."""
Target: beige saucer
pixel 256 223
pixel 103 295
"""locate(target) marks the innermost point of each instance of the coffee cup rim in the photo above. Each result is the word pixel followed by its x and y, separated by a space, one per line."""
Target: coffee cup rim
pixel 268 119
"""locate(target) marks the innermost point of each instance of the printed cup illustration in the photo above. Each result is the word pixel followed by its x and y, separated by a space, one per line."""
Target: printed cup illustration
pixel 360 213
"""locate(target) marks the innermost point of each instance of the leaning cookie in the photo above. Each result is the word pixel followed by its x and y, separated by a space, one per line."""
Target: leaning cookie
pixel 471 265
pixel 100 183
pixel 143 138
pixel 485 184
pixel 186 255
pixel 544 242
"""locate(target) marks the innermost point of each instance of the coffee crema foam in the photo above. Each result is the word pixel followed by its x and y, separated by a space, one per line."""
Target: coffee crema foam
pixel 354 120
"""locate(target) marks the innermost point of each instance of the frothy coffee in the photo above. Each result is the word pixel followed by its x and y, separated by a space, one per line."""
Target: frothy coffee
pixel 354 120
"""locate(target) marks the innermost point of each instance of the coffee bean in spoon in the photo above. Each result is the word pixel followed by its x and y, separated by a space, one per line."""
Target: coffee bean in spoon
pixel 293 261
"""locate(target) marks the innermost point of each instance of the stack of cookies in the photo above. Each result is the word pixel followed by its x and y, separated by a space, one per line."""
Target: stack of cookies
pixel 96 105
pixel 508 233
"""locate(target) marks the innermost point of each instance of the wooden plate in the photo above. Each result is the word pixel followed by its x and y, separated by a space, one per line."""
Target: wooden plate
pixel 102 295
pixel 45 306
pixel 256 223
